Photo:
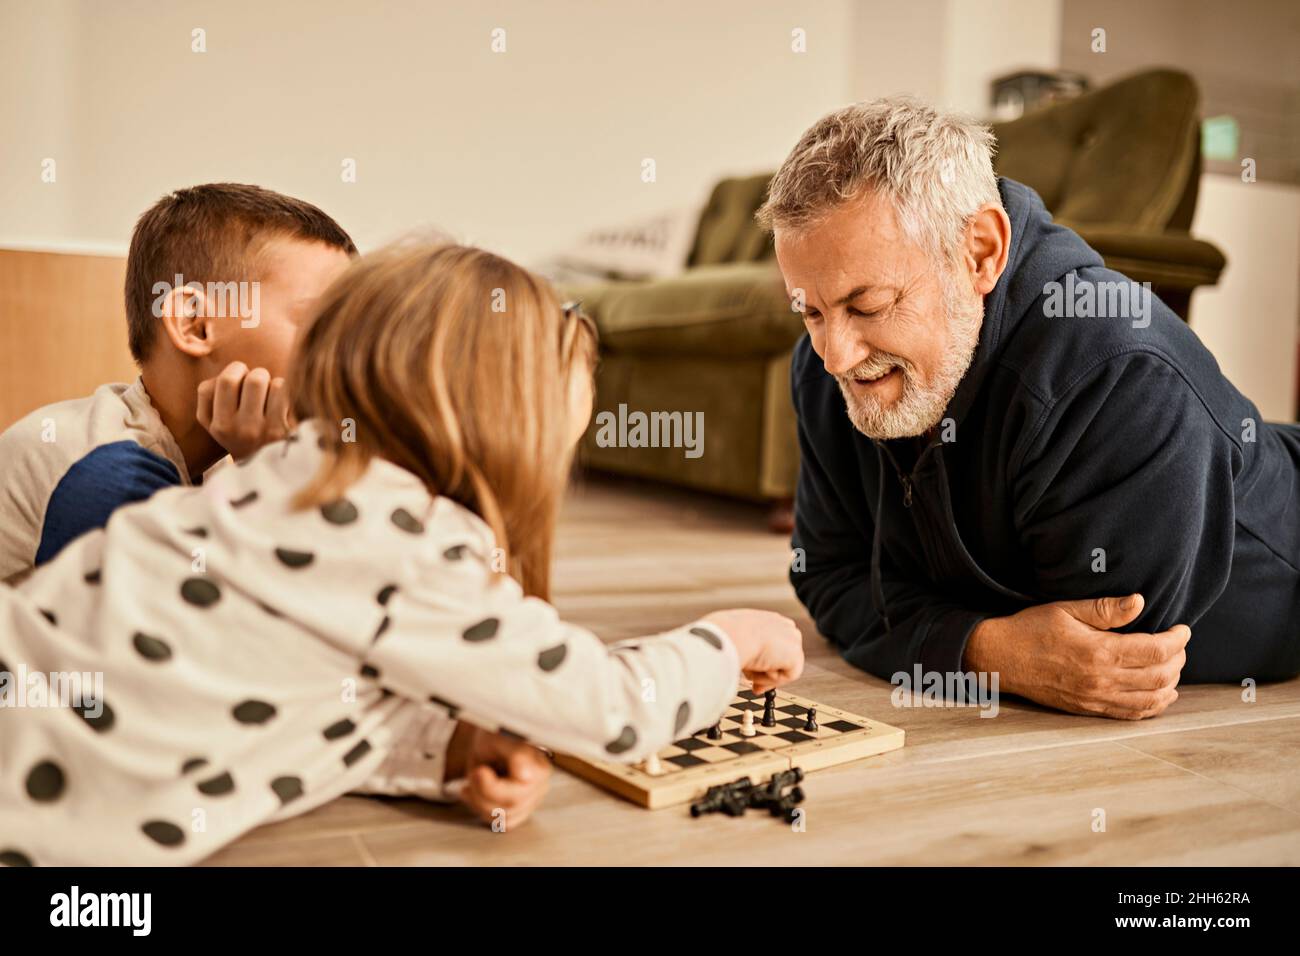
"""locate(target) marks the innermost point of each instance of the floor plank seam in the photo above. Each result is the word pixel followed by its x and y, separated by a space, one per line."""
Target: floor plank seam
pixel 1115 738
pixel 366 856
pixel 1225 783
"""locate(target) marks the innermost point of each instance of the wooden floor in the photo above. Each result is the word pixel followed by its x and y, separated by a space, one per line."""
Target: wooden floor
pixel 1214 780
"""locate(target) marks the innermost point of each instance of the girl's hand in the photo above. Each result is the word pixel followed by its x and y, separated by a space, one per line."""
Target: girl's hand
pixel 769 645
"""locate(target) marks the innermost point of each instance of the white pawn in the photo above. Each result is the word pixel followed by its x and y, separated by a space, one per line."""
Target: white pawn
pixel 652 766
pixel 747 725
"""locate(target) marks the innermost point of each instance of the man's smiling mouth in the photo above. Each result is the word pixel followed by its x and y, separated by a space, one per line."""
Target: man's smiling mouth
pixel 866 380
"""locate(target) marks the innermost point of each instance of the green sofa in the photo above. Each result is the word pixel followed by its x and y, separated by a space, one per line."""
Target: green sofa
pixel 1120 165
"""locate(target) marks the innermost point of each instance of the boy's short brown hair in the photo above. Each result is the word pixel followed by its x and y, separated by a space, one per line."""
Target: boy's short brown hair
pixel 211 233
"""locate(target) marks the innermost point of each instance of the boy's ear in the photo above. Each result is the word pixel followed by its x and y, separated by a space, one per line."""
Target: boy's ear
pixel 185 320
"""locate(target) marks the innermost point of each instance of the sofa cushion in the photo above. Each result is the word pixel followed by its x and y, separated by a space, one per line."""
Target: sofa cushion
pixel 729 309
pixel 727 230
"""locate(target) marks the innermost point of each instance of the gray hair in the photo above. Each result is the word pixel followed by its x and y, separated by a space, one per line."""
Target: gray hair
pixel 936 168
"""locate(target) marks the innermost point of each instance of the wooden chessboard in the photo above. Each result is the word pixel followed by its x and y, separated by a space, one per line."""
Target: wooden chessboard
pixel 693 764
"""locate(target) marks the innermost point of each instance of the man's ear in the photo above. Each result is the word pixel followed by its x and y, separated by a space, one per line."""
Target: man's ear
pixel 185 320
pixel 988 243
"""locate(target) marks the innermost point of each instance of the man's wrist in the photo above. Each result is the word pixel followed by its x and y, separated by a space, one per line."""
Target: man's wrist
pixel 983 651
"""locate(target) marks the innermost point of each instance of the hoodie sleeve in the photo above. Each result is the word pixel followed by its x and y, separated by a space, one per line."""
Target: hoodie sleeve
pixel 1128 487
pixel 831 574
pixel 478 647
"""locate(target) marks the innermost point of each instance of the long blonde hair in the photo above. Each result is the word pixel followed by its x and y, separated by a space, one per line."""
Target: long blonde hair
pixel 455 364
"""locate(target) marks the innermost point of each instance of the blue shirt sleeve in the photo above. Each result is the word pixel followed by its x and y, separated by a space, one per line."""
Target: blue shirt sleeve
pixel 104 480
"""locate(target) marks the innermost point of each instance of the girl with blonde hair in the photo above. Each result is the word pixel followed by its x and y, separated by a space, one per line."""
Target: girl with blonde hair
pixel 334 612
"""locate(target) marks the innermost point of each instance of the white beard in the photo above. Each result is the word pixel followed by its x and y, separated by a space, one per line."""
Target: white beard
pixel 922 404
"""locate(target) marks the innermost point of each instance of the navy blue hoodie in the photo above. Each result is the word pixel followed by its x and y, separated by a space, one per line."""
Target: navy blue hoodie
pixel 1077 444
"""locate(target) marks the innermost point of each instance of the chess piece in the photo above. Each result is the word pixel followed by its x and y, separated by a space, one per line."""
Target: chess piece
pixel 769 709
pixel 729 798
pixel 810 724
pixel 715 732
pixel 652 766
pixel 747 725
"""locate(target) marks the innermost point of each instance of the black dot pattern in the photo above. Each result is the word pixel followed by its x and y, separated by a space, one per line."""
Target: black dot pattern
pixel 49 616
pixel 623 743
pixel 151 648
pixel 456 552
pixel 102 722
pixel 45 782
pixel 552 657
pixel 194 763
pixel 407 521
pixel 356 753
pixel 9 857
pixel 708 636
pixel 484 630
pixel 294 559
pixel 253 712
pixel 370 671
pixel 287 788
pixel 386 593
pixel 93 577
pixel 683 715
pixel 198 532
pixel 339 729
pixel 245 500
pixel 217 786
pixel 164 833
pixel 383 626
pixel 339 512
pixel 201 592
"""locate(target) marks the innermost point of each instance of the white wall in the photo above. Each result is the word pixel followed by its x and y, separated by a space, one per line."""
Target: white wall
pixel 521 151
pixel 948 51
pixel 984 39
pixel 1249 319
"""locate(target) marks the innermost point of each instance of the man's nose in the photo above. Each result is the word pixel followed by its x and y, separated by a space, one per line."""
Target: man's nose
pixel 842 351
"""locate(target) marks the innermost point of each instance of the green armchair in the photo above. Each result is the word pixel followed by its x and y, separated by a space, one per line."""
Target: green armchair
pixel 1120 165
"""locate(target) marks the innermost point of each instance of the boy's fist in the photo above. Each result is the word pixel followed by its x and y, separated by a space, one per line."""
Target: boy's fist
pixel 503 776
pixel 244 409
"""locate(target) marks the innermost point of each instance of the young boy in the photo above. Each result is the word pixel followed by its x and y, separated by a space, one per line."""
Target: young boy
pixel 219 278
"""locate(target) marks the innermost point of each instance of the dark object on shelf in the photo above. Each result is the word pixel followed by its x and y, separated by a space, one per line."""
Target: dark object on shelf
pixel 1015 94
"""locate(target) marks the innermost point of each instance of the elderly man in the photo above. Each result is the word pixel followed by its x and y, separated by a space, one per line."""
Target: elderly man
pixel 1042 473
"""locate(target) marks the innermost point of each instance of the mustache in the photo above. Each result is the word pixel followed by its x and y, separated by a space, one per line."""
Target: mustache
pixel 878 364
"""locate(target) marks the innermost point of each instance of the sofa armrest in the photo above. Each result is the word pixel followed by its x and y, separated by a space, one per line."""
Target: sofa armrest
pixel 733 309
pixel 1165 259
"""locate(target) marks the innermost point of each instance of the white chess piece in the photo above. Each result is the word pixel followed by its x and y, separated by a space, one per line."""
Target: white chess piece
pixel 747 725
pixel 652 766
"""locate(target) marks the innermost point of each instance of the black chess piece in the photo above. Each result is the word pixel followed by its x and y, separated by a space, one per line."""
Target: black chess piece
pixel 729 798
pixel 785 806
pixel 811 723
pixel 769 709
pixel 715 732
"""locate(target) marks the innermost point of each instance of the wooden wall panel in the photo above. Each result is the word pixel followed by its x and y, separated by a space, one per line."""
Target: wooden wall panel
pixel 62 328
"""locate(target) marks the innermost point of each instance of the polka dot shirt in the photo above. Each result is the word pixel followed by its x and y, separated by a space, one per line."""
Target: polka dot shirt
pixel 215 659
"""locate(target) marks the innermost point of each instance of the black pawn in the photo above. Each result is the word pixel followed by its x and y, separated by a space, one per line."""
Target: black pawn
pixel 715 732
pixel 769 709
pixel 810 724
